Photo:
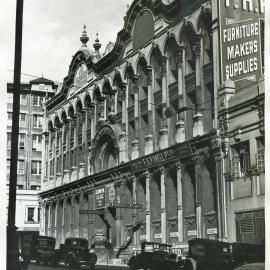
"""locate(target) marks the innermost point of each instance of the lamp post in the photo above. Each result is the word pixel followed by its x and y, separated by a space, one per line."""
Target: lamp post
pixel 12 241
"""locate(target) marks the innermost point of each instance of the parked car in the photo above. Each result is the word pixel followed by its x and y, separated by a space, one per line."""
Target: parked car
pixel 74 252
pixel 154 256
pixel 251 266
pixel 43 248
pixel 206 254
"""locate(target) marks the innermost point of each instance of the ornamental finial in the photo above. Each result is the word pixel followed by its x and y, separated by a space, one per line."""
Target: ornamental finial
pixel 97 45
pixel 84 38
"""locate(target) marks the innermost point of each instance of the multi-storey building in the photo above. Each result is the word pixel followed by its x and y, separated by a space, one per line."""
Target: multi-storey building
pixel 143 137
pixel 32 97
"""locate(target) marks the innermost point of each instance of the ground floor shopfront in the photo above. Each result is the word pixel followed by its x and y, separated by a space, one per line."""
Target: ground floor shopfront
pixel 168 196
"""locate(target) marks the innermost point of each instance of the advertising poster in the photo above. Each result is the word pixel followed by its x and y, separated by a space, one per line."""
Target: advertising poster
pixel 240 40
pixel 100 198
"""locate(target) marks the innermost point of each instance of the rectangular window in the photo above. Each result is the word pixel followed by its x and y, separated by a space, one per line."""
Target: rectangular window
pixel 37 121
pixel 260 156
pixel 20 169
pixel 37 101
pixel 33 187
pixel 19 186
pixel 30 214
pixel 8 166
pixel 8 140
pixel 37 142
pixel 23 99
pixel 21 140
pixel 22 119
pixel 36 167
pixel 10 116
pixel 10 97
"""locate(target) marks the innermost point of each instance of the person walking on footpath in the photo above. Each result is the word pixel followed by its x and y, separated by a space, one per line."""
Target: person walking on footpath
pixel 26 254
pixel 93 259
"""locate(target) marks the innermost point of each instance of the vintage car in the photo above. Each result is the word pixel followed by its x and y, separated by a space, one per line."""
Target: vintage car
pixel 206 254
pixel 74 252
pixel 154 256
pixel 43 248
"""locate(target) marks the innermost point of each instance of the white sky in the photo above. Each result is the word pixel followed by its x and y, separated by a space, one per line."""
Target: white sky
pixel 51 32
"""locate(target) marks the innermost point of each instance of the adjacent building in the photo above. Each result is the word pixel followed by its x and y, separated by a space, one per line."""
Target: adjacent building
pixel 33 96
pixel 149 141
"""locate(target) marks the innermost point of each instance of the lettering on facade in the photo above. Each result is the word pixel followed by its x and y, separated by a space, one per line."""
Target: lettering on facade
pixel 240 40
pixel 179 151
pixel 192 233
pixel 143 237
pixel 158 235
pixel 173 234
pixel 212 231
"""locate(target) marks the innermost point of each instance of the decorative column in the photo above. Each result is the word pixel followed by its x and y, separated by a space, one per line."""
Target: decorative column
pixel 56 214
pixel 163 205
pixel 72 215
pixel 180 135
pixel 63 220
pixel 147 210
pixel 45 156
pixel 49 219
pixel 67 167
pixel 134 211
pixel 74 174
pixel 150 96
pixel 122 147
pixel 198 160
pixel 91 217
pixel 122 97
pixel 198 118
pixel 180 218
pixel 59 171
pixel 80 216
pixel 118 216
pixel 136 104
pixel 43 218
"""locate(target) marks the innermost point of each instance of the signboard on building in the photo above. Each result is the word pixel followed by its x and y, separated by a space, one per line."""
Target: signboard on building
pixel 173 234
pixel 240 40
pixel 100 234
pixel 157 235
pixel 143 237
pixel 100 197
pixel 212 231
pixel 192 233
pixel 175 152
pixel 110 194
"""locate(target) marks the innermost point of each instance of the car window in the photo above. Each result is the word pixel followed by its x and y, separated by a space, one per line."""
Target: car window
pixel 198 250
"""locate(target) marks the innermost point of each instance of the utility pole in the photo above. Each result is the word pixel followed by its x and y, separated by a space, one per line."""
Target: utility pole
pixel 12 239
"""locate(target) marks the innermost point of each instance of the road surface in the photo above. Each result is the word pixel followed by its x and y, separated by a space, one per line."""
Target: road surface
pixel 33 266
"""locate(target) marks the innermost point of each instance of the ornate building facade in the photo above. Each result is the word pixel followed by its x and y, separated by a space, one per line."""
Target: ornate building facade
pixel 137 136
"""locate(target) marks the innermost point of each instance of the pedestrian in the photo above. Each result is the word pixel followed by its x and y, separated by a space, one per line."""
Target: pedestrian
pixel 26 254
pixel 92 259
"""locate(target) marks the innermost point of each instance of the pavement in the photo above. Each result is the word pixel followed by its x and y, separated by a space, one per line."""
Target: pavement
pixel 33 266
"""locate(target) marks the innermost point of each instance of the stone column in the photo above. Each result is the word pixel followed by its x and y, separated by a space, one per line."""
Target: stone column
pixel 150 95
pixel 49 219
pixel 136 104
pixel 72 215
pixel 198 118
pixel 56 214
pixel 163 205
pixel 118 216
pixel 42 218
pixel 63 220
pixel 180 135
pixel 147 210
pixel 198 160
pixel 80 216
pixel 84 134
pixel 91 217
pixel 134 211
pixel 45 171
pixel 180 203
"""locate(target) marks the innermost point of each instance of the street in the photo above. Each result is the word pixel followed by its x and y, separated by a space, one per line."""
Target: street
pixel 33 266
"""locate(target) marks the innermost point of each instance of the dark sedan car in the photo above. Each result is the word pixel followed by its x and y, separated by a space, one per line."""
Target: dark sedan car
pixel 154 256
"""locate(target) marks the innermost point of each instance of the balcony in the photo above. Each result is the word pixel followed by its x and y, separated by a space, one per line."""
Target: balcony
pixel 131 112
pixel 190 82
pixel 173 91
pixel 144 106
pixel 208 73
pixel 158 97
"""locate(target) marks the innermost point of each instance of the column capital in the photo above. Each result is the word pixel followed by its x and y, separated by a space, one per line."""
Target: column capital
pixel 197 49
pixel 180 55
pixel 198 159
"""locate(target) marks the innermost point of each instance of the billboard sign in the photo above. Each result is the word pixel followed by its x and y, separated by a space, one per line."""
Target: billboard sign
pixel 100 197
pixel 240 40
